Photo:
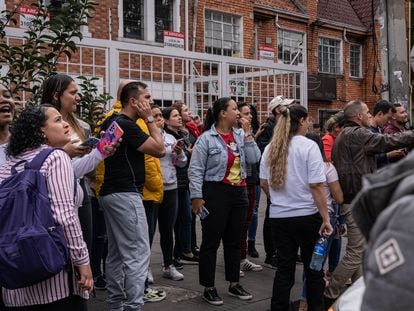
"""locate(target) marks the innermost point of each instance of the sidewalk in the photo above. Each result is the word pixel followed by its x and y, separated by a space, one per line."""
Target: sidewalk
pixel 186 294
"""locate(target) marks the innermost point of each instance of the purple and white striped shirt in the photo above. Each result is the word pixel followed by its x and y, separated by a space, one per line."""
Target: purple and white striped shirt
pixel 58 171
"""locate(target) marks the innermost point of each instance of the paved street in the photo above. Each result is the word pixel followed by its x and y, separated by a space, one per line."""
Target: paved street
pixel 186 294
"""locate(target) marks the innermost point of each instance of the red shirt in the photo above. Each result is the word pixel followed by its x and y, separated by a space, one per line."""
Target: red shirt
pixel 233 171
pixel 328 142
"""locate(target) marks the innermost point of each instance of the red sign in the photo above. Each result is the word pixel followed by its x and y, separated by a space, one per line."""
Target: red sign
pixel 267 53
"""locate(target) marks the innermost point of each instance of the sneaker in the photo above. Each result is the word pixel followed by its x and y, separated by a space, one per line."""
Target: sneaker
pixel 196 251
pixel 189 260
pixel 211 296
pixel 241 274
pixel 239 292
pixel 247 265
pixel 177 263
pixel 271 261
pixel 172 273
pixel 150 276
pixel 153 295
pixel 99 283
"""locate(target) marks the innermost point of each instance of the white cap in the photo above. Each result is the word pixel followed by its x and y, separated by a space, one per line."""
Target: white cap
pixel 279 101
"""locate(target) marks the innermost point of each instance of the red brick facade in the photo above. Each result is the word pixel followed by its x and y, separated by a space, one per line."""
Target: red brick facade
pixel 260 16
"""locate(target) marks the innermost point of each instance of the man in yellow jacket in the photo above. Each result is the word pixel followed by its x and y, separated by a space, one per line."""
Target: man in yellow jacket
pixel 152 193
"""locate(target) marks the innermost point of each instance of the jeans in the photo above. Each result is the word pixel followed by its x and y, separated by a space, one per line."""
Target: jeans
pixel 251 235
pixel 351 263
pixel 182 226
pixel 100 240
pixel 251 194
pixel 128 250
pixel 227 206
pixel 167 214
pixel 290 234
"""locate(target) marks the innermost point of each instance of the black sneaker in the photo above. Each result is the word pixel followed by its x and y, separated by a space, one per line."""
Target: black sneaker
pixel 99 283
pixel 196 251
pixel 211 296
pixel 271 261
pixel 177 263
pixel 189 260
pixel 239 292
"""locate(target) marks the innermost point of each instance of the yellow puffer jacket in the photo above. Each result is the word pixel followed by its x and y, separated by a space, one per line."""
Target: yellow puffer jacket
pixel 153 187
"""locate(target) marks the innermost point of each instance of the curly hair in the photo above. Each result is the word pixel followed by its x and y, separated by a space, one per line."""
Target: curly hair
pixel 26 131
pixel 287 126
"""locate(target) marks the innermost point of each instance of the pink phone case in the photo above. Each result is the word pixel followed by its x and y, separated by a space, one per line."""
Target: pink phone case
pixel 112 134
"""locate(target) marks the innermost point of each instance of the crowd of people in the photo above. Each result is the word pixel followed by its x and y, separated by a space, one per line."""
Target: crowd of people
pixel 169 169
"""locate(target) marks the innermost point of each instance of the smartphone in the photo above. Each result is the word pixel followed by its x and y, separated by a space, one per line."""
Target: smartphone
pixel 90 142
pixel 180 142
pixel 204 213
pixel 112 134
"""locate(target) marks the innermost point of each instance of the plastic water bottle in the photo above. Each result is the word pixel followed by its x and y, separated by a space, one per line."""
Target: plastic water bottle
pixel 319 253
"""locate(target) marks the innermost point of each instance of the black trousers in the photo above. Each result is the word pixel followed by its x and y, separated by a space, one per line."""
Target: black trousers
pixel 70 303
pixel 167 215
pixel 228 207
pixel 267 233
pixel 290 234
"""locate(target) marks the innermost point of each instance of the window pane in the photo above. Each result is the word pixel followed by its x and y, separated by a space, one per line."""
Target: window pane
pixel 133 19
pixel 163 18
pixel 290 47
pixel 225 34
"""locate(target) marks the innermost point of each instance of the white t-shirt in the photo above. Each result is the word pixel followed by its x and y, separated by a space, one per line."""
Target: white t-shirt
pixel 304 166
pixel 331 176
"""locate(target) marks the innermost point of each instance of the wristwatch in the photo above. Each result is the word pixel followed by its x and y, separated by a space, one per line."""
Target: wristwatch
pixel 150 119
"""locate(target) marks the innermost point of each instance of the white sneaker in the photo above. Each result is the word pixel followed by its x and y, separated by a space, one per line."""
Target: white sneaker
pixel 150 276
pixel 241 274
pixel 247 265
pixel 172 273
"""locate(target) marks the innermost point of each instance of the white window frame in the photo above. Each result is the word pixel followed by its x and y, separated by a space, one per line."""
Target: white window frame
pixel 240 24
pixel 280 61
pixel 340 55
pixel 360 60
pixel 149 21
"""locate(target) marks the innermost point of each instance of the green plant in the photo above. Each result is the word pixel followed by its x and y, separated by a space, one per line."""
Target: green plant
pixel 52 34
pixel 92 105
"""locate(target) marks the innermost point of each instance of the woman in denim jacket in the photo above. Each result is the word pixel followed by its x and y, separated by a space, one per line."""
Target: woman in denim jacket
pixel 217 175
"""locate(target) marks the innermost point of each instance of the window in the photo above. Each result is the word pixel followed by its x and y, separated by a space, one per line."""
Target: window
pixel 133 14
pixel 222 34
pixel 355 60
pixel 329 55
pixel 163 18
pixel 290 47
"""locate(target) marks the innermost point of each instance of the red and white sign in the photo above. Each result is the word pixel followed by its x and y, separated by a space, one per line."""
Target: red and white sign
pixel 266 53
pixel 27 15
pixel 173 39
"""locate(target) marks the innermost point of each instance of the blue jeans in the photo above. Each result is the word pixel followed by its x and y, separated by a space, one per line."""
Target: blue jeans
pixel 182 226
pixel 128 250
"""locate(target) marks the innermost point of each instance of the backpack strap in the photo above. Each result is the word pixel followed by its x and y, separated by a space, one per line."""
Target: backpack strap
pixel 38 160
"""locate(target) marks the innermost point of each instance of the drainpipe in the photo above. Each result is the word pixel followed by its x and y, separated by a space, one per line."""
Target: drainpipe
pixel 194 24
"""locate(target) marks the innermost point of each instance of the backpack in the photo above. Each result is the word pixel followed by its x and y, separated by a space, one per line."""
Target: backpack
pixel 33 247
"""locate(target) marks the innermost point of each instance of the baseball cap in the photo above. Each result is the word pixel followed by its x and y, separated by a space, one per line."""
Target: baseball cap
pixel 279 101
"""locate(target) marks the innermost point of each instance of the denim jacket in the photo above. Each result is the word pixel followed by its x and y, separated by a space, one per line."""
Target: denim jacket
pixel 209 159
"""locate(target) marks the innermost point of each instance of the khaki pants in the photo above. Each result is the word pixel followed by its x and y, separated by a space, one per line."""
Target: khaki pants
pixel 351 263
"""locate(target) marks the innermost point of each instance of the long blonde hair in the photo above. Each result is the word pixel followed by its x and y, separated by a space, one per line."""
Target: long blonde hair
pixel 287 126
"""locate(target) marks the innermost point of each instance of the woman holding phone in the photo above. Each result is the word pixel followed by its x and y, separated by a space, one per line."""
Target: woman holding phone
pixel 167 212
pixel 217 174
pixel 61 92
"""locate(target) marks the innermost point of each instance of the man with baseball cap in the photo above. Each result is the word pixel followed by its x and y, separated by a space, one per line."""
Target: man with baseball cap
pixel 263 137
